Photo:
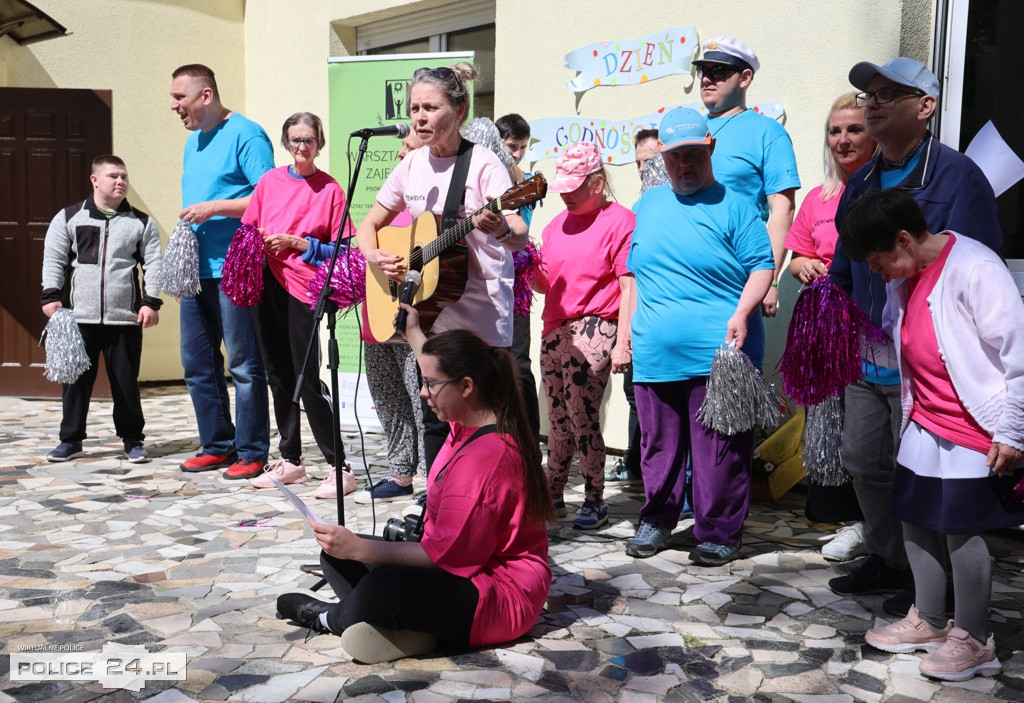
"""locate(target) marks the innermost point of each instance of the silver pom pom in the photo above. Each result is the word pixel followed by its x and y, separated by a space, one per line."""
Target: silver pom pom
pixel 181 263
pixel 823 439
pixel 738 396
pixel 483 132
pixel 653 173
pixel 66 358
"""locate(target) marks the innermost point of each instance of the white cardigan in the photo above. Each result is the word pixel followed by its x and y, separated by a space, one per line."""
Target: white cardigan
pixel 979 324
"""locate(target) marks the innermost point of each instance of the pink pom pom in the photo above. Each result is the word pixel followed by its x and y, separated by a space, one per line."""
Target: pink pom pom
pixel 527 262
pixel 348 282
pixel 242 274
pixel 823 344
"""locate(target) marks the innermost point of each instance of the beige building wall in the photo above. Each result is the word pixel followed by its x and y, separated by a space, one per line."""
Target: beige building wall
pixel 130 48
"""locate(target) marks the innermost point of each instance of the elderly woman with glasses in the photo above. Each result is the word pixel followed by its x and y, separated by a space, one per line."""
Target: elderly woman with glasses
pixel 298 210
pixel 438 105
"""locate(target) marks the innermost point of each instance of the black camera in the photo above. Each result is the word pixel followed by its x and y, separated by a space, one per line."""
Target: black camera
pixel 406 529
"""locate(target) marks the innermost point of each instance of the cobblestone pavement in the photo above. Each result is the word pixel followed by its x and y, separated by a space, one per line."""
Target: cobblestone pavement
pixel 98 551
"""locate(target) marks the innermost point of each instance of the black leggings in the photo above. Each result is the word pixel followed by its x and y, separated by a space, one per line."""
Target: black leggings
pixel 401 598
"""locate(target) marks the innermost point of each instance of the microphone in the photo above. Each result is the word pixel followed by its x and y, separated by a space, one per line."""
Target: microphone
pixel 412 282
pixel 400 130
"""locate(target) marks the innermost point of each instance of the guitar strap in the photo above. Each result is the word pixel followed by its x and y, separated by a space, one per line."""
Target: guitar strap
pixel 457 188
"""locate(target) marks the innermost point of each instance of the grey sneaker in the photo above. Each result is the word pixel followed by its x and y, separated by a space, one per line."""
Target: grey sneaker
pixel 135 453
pixel 711 554
pixel 649 539
pixel 65 451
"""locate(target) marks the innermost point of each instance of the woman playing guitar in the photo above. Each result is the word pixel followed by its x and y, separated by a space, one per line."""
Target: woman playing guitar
pixel 438 105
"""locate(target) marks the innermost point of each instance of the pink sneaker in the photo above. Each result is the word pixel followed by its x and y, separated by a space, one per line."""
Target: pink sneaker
pixel 284 471
pixel 328 488
pixel 908 635
pixel 962 657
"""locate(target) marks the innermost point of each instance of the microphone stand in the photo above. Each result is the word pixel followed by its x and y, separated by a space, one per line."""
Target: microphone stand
pixel 325 304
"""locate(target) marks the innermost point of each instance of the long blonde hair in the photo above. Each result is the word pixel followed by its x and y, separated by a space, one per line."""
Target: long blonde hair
pixel 835 176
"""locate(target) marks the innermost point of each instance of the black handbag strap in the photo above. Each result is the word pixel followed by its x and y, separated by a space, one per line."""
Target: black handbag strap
pixel 457 188
pixel 439 473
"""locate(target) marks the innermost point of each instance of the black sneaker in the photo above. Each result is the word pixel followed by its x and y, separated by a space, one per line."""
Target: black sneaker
pixel 303 609
pixel 899 604
pixel 872 575
pixel 65 451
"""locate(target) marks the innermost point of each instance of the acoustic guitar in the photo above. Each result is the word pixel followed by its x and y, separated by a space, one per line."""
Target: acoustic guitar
pixel 441 260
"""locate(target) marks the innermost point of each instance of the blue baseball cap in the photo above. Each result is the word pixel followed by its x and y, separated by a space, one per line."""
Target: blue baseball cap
pixel 683 126
pixel 902 70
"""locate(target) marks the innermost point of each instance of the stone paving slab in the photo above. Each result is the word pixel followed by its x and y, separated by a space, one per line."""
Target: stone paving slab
pixel 98 551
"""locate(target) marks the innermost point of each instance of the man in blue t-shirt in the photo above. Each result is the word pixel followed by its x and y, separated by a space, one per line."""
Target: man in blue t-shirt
pixel 754 155
pixel 899 98
pixel 225 156
pixel 702 262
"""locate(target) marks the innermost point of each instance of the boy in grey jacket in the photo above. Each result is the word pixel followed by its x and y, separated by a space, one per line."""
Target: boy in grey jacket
pixel 104 240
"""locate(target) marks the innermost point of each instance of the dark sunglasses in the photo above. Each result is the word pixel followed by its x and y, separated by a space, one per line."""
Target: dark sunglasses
pixel 443 73
pixel 716 73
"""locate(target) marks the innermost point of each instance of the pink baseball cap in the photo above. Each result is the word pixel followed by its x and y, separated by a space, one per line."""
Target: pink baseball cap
pixel 574 164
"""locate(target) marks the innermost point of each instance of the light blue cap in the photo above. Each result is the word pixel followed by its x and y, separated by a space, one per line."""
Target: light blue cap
pixel 683 126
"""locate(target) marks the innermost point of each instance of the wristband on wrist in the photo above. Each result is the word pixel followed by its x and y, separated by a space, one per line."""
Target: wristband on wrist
pixel 775 284
pixel 505 237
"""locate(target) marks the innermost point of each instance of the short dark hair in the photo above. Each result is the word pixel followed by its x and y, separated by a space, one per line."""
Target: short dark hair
pixel 643 135
pixel 203 73
pixel 107 160
pixel 513 125
pixel 874 219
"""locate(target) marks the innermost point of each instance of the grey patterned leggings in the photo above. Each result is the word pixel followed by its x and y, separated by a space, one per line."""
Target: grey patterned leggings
pixel 394 381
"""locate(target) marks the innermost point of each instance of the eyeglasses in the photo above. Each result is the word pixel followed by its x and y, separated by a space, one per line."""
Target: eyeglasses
pixel 433 384
pixel 307 141
pixel 884 96
pixel 716 73
pixel 443 73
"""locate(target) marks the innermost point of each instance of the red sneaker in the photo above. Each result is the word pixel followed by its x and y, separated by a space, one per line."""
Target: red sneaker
pixel 244 469
pixel 206 462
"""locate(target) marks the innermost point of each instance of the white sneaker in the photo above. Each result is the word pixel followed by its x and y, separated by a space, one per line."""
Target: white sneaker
pixel 847 544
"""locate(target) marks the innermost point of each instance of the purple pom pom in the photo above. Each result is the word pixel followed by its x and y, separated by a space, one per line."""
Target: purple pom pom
pixel 242 274
pixel 823 346
pixel 526 262
pixel 348 282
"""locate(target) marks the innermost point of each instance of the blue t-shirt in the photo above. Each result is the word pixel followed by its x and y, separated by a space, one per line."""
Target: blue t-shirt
pixel 753 157
pixel 224 163
pixel 691 256
pixel 898 175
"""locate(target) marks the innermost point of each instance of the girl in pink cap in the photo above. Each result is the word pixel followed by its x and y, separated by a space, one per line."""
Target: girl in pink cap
pixel 588 290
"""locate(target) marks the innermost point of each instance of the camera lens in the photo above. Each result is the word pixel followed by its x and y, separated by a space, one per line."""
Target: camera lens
pixel 394 530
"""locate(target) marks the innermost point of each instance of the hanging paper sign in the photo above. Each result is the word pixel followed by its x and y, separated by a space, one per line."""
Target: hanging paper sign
pixel 632 61
pixel 614 137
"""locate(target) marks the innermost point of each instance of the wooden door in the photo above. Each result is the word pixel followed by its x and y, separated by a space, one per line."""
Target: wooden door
pixel 48 139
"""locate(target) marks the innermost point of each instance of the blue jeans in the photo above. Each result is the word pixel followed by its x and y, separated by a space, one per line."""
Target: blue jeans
pixel 206 319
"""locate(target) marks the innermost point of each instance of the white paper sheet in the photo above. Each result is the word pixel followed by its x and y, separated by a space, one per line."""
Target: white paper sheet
pixel 995 158
pixel 296 501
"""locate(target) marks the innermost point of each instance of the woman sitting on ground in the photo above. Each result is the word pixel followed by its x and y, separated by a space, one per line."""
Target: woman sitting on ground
pixel 480 571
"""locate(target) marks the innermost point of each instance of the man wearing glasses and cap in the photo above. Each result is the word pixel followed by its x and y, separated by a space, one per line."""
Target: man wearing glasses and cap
pixel 899 98
pixel 754 156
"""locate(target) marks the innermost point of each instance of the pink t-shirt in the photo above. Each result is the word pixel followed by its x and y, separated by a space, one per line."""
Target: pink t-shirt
pixel 814 228
pixel 937 407
pixel 584 257
pixel 476 527
pixel 420 183
pixel 305 207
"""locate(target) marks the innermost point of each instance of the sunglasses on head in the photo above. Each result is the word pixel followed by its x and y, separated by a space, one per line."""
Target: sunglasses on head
pixel 443 73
